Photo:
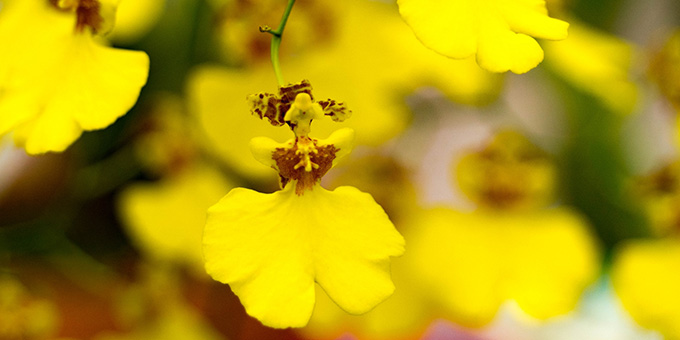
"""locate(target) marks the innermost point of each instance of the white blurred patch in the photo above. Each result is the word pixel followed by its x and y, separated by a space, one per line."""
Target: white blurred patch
pixel 599 317
pixel 648 137
pixel 12 162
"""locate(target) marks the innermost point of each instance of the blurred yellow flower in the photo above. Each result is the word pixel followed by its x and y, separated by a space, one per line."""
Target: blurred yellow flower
pixel 646 278
pixel 165 218
pixel 513 248
pixel 56 81
pixel 272 248
pixel 346 62
pixel 598 63
pixel 498 32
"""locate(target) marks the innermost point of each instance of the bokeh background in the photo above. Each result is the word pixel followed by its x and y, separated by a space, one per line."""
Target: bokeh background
pixel 537 206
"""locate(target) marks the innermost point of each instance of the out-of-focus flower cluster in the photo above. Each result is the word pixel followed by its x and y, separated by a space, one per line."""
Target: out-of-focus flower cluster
pixel 514 170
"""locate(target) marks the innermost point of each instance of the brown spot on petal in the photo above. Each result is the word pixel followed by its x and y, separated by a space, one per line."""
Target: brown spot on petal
pixel 266 105
pixel 288 162
pixel 88 15
pixel 337 111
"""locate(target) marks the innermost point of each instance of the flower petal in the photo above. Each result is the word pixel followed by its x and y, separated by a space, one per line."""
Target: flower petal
pixel 103 84
pixel 52 130
pixel 499 32
pixel 270 248
pixel 352 254
pixel 162 222
pixel 251 242
pixel 646 278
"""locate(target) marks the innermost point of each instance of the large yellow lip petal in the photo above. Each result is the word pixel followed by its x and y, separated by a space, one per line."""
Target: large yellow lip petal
pixel 271 248
pixel 498 32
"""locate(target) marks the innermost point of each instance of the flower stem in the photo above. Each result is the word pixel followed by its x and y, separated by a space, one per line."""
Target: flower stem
pixel 276 41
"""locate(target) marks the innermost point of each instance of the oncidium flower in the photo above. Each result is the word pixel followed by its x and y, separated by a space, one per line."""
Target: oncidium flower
pixel 272 248
pixel 56 80
pixel 498 32
pixel 513 248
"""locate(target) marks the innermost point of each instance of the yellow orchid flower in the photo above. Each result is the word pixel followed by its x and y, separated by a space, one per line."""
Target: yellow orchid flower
pixel 56 80
pixel 388 63
pixel 498 32
pixel 512 248
pixel 272 248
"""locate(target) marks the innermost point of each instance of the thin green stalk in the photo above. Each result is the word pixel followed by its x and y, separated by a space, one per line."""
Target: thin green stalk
pixel 276 41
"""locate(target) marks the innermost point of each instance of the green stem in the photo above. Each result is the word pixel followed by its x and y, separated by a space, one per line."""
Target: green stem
pixel 276 42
